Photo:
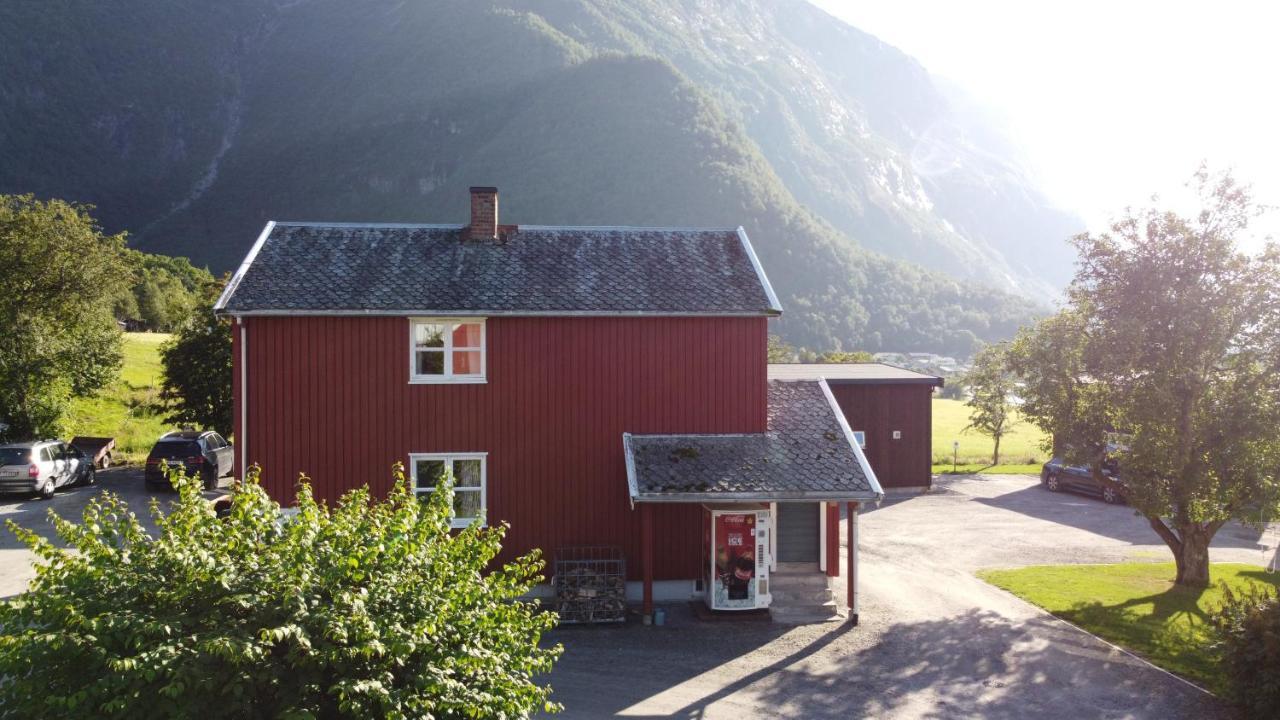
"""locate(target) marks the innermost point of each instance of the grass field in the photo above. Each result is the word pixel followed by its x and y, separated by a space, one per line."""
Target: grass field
pixel 126 409
pixel 1136 606
pixel 1019 450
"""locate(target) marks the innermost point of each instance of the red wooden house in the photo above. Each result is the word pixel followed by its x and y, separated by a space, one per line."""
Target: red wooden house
pixel 588 385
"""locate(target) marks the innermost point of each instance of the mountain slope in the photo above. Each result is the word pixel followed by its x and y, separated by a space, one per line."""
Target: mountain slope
pixel 388 111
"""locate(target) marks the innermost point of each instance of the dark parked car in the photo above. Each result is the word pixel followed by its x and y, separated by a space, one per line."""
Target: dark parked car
pixel 43 466
pixel 1057 476
pixel 202 453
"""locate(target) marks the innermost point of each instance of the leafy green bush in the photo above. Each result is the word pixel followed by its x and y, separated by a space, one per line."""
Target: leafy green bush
pixel 1248 626
pixel 367 609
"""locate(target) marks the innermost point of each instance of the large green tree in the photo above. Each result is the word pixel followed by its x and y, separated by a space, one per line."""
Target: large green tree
pixel 197 369
pixel 368 609
pixel 59 277
pixel 1166 359
pixel 991 384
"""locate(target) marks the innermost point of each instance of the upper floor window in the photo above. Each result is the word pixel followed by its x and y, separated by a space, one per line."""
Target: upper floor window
pixel 446 350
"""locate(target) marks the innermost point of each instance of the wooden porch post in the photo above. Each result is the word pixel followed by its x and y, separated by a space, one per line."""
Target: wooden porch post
pixel 832 541
pixel 646 555
pixel 852 554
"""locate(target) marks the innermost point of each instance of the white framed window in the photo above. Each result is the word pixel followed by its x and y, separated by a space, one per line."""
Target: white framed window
pixel 446 350
pixel 427 470
pixel 860 437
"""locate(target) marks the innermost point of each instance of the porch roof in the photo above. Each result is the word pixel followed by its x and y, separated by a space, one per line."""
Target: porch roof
pixel 807 453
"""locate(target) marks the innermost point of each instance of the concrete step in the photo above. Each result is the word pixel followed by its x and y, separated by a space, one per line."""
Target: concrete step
pixel 791 595
pixel 804 614
pixel 797 568
pixel 806 580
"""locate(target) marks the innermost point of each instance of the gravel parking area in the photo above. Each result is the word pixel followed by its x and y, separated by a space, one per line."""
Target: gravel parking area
pixel 32 513
pixel 934 641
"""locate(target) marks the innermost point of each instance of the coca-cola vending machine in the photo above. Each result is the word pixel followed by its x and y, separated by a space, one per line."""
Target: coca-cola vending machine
pixel 735 551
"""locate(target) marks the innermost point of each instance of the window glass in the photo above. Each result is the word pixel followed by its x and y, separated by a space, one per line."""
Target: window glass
pixel 429 335
pixel 466 362
pixel 430 473
pixel 46 455
pixel 466 473
pixel 430 362
pixel 466 506
pixel 173 449
pixel 14 456
pixel 467 335
pixel 860 437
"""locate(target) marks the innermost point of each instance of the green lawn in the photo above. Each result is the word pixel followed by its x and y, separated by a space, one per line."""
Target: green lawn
pixel 1136 606
pixel 126 409
pixel 1019 450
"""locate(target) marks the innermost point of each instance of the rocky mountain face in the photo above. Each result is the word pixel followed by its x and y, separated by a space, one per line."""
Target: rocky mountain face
pixel 190 124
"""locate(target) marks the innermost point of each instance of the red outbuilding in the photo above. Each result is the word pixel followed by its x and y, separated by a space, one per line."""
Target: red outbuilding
pixel 590 386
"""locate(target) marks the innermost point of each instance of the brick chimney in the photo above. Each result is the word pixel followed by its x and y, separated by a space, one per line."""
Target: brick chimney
pixel 484 214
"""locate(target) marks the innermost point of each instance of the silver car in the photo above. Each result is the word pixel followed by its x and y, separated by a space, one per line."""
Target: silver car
pixel 43 466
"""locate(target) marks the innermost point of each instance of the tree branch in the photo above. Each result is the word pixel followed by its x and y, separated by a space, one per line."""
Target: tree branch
pixel 1168 536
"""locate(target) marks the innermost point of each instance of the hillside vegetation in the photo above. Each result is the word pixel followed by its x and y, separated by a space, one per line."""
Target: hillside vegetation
pixel 190 124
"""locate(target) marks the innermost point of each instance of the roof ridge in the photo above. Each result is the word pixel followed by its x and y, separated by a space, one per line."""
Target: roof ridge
pixel 456 226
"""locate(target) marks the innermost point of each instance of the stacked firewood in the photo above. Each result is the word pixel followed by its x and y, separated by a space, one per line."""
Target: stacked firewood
pixel 590 589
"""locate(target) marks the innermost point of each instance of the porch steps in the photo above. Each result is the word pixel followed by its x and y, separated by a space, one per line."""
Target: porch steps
pixel 801 595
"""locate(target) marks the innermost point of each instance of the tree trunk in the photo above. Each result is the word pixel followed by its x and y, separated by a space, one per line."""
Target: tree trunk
pixel 1192 558
pixel 1190 547
pixel 995 456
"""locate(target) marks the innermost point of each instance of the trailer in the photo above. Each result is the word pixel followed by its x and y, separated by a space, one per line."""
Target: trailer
pixel 97 448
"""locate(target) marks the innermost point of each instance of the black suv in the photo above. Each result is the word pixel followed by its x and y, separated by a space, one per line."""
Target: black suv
pixel 197 452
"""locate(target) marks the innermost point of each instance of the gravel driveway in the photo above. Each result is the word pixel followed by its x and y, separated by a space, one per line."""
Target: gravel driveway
pixel 32 513
pixel 934 641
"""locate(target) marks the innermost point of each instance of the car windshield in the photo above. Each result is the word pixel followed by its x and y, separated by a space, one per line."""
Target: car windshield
pixel 168 449
pixel 14 456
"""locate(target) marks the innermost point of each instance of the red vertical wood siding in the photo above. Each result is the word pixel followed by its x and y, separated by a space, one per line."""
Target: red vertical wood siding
pixel 878 410
pixel 330 397
pixel 832 539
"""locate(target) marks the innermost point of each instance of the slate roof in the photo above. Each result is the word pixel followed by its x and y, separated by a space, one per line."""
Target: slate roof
pixel 852 373
pixel 807 453
pixel 308 268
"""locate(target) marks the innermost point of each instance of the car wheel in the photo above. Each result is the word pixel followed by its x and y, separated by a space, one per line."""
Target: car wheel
pixel 105 462
pixel 210 479
pixel 1052 483
pixel 48 489
pixel 1110 496
pixel 91 478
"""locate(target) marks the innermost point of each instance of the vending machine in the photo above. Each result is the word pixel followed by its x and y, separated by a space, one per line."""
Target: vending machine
pixel 735 550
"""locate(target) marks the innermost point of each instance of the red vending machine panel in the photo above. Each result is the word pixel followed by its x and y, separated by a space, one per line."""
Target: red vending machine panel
pixel 736 553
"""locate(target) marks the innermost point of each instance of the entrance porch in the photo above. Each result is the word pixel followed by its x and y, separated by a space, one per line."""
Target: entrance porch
pixel 791 480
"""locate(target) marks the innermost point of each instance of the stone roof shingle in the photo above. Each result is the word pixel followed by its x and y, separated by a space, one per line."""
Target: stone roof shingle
pixel 805 454
pixel 398 269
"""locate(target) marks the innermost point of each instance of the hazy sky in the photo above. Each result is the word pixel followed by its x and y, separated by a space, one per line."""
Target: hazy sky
pixel 1112 101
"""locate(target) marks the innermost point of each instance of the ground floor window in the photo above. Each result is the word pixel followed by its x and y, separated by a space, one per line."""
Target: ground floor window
pixel 427 471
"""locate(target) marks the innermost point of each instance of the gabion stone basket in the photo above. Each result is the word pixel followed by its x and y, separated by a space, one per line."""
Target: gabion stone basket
pixel 590 583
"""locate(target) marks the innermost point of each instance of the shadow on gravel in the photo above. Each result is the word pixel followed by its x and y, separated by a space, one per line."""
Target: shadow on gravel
pixel 978 664
pixel 1118 522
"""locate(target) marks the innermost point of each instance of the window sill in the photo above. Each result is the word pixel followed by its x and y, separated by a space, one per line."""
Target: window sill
pixel 459 525
pixel 423 380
